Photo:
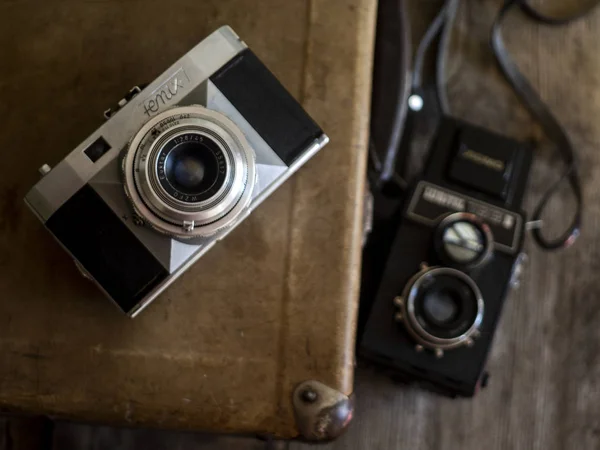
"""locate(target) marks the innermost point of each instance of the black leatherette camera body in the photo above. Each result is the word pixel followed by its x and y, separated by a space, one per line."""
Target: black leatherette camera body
pixel 489 183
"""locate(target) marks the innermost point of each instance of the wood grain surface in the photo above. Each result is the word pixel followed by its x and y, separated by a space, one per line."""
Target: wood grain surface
pixel 544 390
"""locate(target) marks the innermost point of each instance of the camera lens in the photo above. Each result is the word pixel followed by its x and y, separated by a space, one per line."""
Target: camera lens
pixel 442 307
pixel 191 167
pixel 446 306
pixel 189 172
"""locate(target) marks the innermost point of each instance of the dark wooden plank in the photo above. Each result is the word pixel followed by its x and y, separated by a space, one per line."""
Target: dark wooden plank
pixel 20 433
pixel 68 436
pixel 26 433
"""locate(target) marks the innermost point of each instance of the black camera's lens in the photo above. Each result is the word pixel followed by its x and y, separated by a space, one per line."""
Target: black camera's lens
pixel 441 306
pixel 446 306
pixel 191 167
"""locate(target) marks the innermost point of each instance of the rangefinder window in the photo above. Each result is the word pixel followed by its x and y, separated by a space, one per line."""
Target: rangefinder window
pixel 97 149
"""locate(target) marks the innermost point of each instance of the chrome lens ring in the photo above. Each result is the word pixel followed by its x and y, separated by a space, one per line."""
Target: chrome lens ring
pixel 167 209
pixel 154 184
pixel 413 322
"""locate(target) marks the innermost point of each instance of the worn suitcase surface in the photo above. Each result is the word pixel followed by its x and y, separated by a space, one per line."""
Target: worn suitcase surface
pixel 246 338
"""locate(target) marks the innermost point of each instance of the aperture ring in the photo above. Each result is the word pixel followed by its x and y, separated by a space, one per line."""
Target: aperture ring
pixel 167 195
pixel 156 202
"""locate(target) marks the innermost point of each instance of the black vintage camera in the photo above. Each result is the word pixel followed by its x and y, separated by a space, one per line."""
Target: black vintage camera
pixel 456 253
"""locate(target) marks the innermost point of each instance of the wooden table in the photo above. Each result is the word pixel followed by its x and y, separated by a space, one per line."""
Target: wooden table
pixel 544 390
pixel 270 307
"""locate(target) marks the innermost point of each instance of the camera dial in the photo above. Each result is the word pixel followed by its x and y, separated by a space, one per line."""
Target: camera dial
pixel 463 241
pixel 441 308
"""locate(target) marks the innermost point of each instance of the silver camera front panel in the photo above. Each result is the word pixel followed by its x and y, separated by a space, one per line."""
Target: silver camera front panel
pixel 270 173
pixel 166 91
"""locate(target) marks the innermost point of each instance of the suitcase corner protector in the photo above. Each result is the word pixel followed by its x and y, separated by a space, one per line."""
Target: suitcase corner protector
pixel 322 413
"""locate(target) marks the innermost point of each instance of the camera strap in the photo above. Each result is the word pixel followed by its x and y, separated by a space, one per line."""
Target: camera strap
pixel 552 128
pixel 441 27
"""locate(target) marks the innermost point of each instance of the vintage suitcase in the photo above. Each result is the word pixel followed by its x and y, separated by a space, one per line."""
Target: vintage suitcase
pixel 258 337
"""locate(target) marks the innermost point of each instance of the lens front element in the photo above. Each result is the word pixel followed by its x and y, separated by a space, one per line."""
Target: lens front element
pixel 191 167
pixel 445 305
pixel 441 306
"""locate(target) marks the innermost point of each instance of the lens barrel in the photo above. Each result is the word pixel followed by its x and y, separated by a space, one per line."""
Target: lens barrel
pixel 189 172
pixel 442 308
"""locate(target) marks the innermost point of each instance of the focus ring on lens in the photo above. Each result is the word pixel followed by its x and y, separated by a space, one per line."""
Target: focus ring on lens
pixel 203 140
pixel 179 201
pixel 420 325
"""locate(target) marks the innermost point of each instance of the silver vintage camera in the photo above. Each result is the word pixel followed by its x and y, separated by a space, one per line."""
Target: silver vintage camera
pixel 174 169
